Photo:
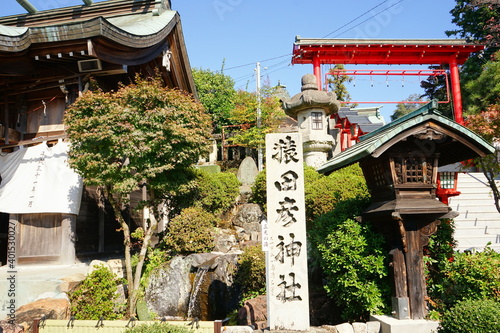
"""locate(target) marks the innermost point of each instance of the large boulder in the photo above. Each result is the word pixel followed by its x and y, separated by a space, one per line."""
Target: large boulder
pixel 51 308
pixel 169 288
pixel 199 285
pixel 70 282
pixel 7 327
pixel 254 312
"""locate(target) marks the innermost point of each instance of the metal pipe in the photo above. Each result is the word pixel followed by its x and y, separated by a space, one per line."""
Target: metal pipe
pixel 28 6
pixel 88 2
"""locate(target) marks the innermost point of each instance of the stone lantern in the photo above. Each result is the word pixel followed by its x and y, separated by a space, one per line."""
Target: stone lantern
pixel 310 108
pixel 400 163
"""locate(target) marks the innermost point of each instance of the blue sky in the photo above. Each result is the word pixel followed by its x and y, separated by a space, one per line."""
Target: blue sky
pixel 243 32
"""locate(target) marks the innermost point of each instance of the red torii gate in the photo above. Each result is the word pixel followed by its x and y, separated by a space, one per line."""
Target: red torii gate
pixel 454 52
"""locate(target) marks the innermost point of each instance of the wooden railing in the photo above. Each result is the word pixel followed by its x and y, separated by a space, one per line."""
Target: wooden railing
pixel 115 326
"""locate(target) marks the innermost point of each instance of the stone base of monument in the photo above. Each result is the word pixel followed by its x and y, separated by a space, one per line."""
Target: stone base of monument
pixel 389 324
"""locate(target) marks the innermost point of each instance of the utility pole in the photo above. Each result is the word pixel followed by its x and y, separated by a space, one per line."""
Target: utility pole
pixel 259 149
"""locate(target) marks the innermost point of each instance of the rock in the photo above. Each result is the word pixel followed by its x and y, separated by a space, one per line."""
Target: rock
pixel 169 287
pixel 373 327
pixel 359 327
pixel 223 294
pixel 315 329
pixel 96 264
pixel 330 328
pixel 70 282
pixel 204 260
pixel 254 312
pixel 245 194
pixel 237 329
pixel 52 308
pixel 225 241
pixel 117 267
pixel 248 171
pixel 121 300
pixel 344 328
pixel 248 217
pixel 6 327
pixel 52 294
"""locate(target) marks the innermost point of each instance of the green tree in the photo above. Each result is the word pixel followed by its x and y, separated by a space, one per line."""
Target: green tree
pixel 478 22
pixel 484 90
pixel 337 84
pixel 217 94
pixel 487 124
pixel 245 112
pixel 405 108
pixel 143 135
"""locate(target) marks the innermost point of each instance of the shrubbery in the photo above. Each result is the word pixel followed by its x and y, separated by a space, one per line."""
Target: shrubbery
pixel 321 192
pixel 251 275
pixel 468 276
pixel 214 192
pixel 472 316
pixel 95 297
pixel 353 260
pixel 350 253
pixel 190 232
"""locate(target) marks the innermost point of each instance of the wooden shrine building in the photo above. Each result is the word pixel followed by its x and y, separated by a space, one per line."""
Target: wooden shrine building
pixel 400 163
pixel 47 59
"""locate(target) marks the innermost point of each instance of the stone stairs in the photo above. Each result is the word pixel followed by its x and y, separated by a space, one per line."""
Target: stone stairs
pixel 479 222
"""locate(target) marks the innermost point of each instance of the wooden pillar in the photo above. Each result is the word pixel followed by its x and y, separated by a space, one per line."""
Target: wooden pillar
pixel 399 270
pixel 415 269
pixel 68 237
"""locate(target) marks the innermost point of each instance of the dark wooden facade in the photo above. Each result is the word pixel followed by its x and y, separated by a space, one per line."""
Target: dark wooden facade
pixel 46 60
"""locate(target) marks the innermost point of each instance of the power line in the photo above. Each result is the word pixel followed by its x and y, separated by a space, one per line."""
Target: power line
pixel 368 18
pixel 380 4
pixel 253 63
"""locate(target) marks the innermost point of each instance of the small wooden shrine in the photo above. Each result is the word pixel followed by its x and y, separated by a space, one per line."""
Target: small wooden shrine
pixel 400 163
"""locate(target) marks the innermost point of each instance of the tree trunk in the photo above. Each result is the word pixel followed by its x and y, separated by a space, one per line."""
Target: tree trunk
pixel 127 244
pixel 490 176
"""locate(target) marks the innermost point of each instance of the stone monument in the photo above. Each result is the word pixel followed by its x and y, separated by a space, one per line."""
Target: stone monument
pixel 310 108
pixel 286 256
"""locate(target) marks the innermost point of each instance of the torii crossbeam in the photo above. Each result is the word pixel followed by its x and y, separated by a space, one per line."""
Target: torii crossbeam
pixel 453 52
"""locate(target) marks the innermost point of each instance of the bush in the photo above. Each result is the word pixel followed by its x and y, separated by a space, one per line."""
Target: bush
pixel 472 316
pixel 190 232
pixel 214 192
pixel 351 254
pixel 95 296
pixel 353 259
pixel 251 275
pixel 322 193
pixel 468 276
pixel 157 328
pixel 217 192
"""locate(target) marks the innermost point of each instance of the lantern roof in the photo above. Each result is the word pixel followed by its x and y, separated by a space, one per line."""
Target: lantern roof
pixel 465 144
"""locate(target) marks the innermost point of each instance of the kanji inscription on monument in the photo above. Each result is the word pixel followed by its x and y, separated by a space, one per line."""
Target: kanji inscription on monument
pixel 287 285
